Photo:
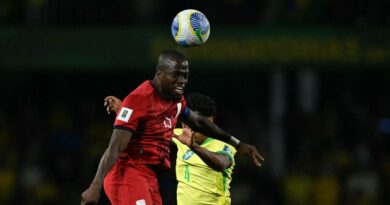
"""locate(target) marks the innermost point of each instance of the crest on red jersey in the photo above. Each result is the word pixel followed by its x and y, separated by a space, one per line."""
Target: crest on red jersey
pixel 124 114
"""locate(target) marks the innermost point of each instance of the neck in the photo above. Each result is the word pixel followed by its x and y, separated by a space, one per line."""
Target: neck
pixel 156 86
pixel 154 83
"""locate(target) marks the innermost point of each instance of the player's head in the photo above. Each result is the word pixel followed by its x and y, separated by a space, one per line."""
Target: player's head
pixel 204 106
pixel 171 74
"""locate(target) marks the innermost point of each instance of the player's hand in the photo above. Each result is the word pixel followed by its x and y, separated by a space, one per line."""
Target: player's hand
pixel 186 137
pixel 90 196
pixel 251 152
pixel 112 104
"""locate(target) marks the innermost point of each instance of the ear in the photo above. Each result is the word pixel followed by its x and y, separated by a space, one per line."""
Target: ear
pixel 157 74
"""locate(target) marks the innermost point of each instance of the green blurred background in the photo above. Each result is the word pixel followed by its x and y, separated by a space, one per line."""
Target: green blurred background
pixel 306 81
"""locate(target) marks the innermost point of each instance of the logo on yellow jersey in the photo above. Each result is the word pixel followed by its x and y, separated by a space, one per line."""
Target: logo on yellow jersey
pixel 227 149
pixel 188 154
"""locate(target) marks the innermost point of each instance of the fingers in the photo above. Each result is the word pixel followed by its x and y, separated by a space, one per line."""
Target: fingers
pixel 110 97
pixel 257 158
pixel 108 100
pixel 108 108
pixel 108 103
pixel 82 202
pixel 85 203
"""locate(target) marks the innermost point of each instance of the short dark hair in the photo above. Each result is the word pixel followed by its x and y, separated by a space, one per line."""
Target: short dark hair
pixel 167 56
pixel 202 104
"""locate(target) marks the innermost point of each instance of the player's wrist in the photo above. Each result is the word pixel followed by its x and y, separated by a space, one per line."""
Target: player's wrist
pixel 194 145
pixel 96 185
pixel 234 141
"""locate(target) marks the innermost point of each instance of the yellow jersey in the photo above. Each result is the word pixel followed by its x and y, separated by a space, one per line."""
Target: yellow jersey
pixel 198 183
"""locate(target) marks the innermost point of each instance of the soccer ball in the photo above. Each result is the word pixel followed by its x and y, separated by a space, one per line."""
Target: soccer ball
pixel 190 28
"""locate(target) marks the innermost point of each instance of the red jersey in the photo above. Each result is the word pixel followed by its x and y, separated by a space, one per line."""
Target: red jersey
pixel 151 120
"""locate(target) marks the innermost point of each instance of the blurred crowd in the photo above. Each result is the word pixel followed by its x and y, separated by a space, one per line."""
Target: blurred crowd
pixel 53 130
pixel 361 13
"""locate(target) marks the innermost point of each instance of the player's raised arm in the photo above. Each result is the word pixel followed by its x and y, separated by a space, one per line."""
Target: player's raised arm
pixel 201 124
pixel 119 140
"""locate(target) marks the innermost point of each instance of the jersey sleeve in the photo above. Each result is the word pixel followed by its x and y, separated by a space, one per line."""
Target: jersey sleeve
pixel 184 111
pixel 229 151
pixel 134 108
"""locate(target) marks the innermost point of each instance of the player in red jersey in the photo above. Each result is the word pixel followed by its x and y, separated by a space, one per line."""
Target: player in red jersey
pixel 139 145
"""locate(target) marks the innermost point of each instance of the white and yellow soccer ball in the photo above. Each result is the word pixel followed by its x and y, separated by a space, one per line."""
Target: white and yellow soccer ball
pixel 190 28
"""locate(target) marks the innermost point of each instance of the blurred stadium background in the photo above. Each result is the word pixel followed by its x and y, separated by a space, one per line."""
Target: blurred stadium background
pixel 307 81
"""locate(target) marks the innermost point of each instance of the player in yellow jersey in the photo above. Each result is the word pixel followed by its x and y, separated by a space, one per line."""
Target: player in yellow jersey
pixel 204 165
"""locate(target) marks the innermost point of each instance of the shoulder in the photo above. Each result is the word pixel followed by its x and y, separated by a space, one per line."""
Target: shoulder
pixel 180 146
pixel 174 140
pixel 225 147
pixel 177 131
pixel 140 95
pixel 143 90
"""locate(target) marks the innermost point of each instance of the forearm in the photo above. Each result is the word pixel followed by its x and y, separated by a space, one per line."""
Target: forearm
pixel 204 126
pixel 210 129
pixel 106 162
pixel 215 161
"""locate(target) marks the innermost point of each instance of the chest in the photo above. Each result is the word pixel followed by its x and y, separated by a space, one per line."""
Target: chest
pixel 162 109
pixel 162 116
